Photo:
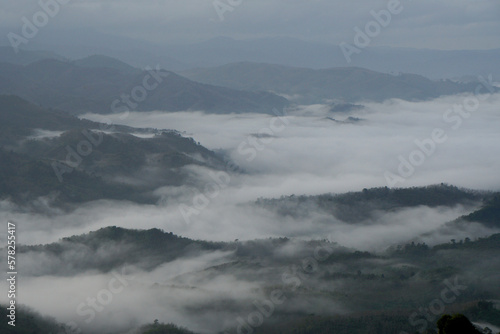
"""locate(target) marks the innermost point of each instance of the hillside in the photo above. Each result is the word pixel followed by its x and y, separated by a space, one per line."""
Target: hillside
pixel 343 289
pixel 18 119
pixel 357 207
pixel 349 84
pixel 36 158
pixel 29 322
pixel 99 61
pixel 87 86
pixel 122 247
pixel 489 214
pixel 24 179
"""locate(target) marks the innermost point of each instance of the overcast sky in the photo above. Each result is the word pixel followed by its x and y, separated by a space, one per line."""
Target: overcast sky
pixel 438 24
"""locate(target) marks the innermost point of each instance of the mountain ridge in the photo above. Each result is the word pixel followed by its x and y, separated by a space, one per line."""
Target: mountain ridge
pixel 49 163
pixel 349 84
pixel 66 86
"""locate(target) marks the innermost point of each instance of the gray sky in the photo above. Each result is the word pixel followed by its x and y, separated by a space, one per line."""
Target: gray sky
pixel 437 24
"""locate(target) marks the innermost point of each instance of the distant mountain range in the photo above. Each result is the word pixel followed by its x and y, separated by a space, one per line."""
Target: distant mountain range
pixel 105 85
pixel 314 86
pixel 99 61
pixel 435 64
pixel 24 57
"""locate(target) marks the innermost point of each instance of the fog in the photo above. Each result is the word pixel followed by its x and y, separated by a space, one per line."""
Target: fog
pixel 138 297
pixel 302 152
pixel 308 154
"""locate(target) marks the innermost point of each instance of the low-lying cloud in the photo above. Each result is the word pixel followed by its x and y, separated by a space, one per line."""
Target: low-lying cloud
pixel 310 155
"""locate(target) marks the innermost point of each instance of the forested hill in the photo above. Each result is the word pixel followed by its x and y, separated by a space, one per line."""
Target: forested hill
pixel 358 206
pixel 317 85
pixel 380 290
pixel 93 85
pixel 41 155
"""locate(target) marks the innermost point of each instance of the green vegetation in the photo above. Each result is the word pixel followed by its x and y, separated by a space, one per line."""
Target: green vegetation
pixel 158 328
pixel 489 215
pixel 355 207
pixel 28 322
pixel 455 324
pixel 144 248
pixel 34 167
pixel 23 179
pixel 380 291
pixel 377 323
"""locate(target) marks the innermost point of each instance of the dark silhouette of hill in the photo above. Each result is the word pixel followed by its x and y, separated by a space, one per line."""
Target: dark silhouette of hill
pixel 356 207
pixel 94 84
pixel 312 86
pixel 34 165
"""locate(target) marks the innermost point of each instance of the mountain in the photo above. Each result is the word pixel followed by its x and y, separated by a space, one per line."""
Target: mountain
pixel 156 245
pixel 164 247
pixel 342 289
pixel 25 57
pixel 139 53
pixel 489 214
pixel 39 156
pixel 357 207
pixel 28 322
pixel 377 322
pixel 99 61
pixel 314 86
pixel 435 64
pixel 278 50
pixel 24 179
pixel 18 119
pixel 87 88
pixel 294 52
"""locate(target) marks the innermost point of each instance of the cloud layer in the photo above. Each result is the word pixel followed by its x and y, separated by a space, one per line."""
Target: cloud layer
pixel 429 24
pixel 302 152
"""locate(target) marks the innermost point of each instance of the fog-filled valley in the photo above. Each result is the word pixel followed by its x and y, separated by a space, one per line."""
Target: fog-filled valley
pixel 249 167
pixel 298 203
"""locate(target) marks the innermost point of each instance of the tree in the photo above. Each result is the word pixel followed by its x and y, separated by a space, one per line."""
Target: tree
pixel 456 324
pixel 441 323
